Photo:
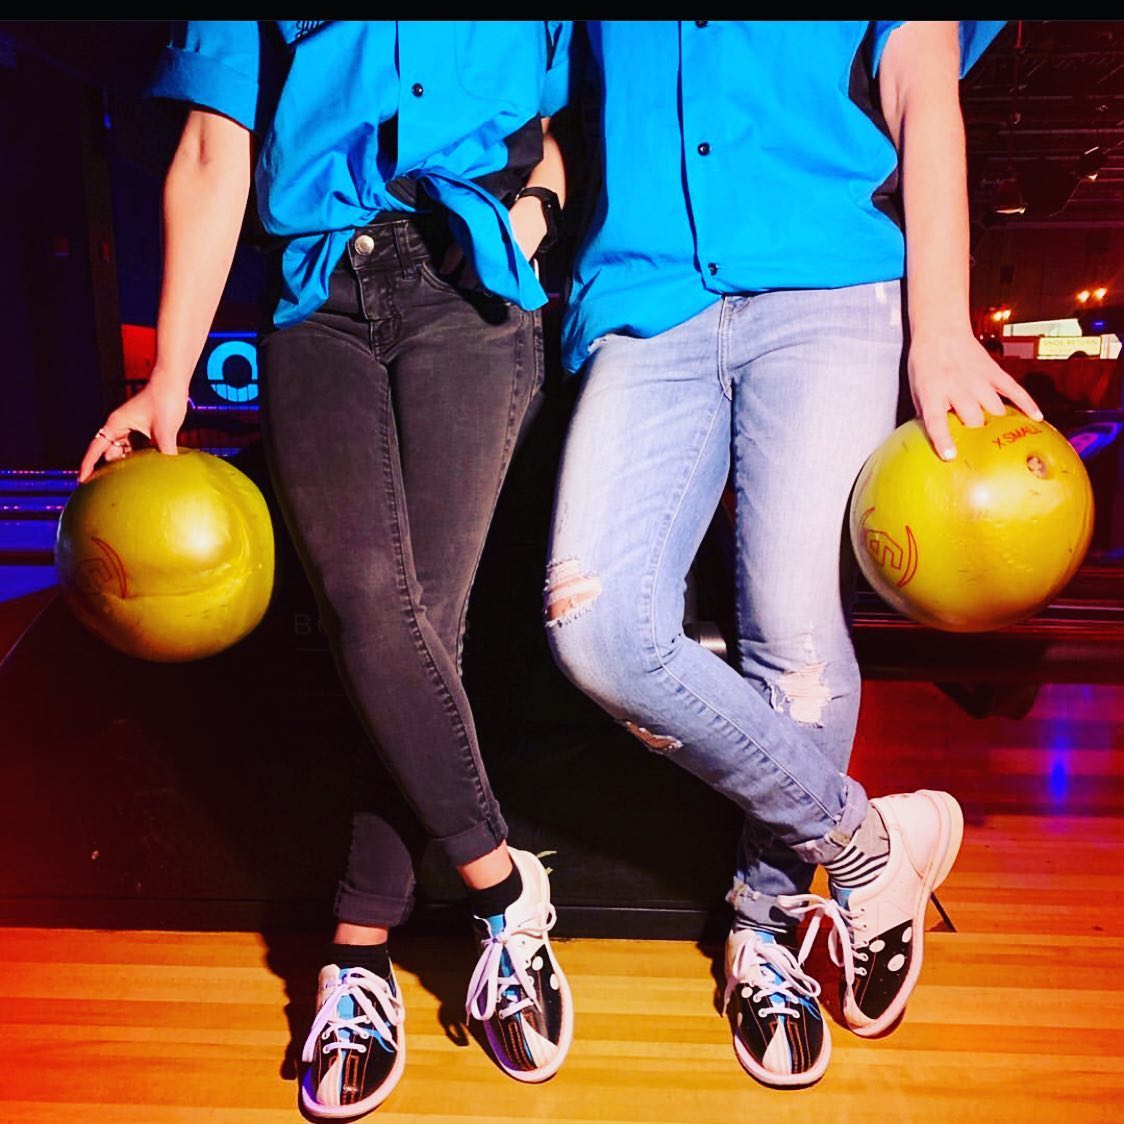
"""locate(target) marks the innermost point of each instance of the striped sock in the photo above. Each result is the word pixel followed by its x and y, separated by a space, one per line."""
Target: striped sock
pixel 862 860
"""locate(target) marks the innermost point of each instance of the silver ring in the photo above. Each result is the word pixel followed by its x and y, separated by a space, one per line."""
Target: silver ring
pixel 105 436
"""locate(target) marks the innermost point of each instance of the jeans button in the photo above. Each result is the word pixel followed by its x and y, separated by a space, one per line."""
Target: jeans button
pixel 364 244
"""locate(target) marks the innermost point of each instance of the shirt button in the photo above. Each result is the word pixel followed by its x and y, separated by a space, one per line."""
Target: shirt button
pixel 704 149
pixel 417 89
pixel 701 23
pixel 713 267
pixel 364 244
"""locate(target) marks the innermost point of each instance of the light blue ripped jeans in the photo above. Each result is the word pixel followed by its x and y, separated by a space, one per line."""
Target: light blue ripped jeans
pixel 794 389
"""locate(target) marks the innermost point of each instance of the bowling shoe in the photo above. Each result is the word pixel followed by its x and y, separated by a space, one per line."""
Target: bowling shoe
pixel 885 919
pixel 518 991
pixel 772 1004
pixel 355 1051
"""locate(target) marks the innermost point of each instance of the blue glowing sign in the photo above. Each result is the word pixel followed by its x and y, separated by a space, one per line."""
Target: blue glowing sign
pixel 227 372
pixel 244 391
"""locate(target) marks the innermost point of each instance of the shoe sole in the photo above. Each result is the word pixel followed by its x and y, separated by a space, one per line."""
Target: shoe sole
pixel 346 1111
pixel 784 1080
pixel 952 835
pixel 566 1038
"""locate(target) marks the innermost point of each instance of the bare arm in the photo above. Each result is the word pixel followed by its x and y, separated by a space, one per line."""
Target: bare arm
pixel 948 368
pixel 205 197
pixel 527 219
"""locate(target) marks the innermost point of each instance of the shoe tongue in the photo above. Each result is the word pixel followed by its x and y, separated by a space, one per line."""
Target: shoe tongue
pixel 494 924
pixel 346 1009
pixel 842 895
pixel 767 970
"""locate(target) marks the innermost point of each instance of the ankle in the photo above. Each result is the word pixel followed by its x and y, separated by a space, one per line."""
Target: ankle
pixel 861 860
pixel 371 957
pixel 350 934
pixel 488 870
pixel 492 901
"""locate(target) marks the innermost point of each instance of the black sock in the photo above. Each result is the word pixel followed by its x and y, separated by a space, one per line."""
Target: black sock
pixel 374 957
pixel 495 899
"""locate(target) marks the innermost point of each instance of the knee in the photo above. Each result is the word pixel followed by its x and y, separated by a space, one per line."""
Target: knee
pixel 576 623
pixel 802 673
pixel 358 608
pixel 570 593
pixel 589 633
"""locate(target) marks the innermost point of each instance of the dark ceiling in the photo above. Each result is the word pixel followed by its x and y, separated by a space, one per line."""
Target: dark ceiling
pixel 1069 99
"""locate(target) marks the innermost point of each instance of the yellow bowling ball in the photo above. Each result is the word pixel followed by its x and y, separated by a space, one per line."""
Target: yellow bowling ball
pixel 978 542
pixel 167 558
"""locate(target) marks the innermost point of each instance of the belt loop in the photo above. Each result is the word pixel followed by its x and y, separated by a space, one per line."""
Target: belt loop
pixel 406 258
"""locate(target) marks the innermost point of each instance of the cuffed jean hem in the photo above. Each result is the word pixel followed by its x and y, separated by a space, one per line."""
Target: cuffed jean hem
pixel 760 909
pixel 831 845
pixel 356 908
pixel 477 841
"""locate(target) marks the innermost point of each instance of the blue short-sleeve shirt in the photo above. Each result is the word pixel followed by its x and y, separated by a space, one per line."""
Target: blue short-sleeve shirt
pixel 738 157
pixel 316 93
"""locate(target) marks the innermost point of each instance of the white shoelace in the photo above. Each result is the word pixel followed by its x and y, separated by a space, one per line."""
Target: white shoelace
pixel 488 982
pixel 841 946
pixel 360 986
pixel 773 972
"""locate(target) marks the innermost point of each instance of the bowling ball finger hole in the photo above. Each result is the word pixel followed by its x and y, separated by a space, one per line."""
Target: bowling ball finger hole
pixel 1037 466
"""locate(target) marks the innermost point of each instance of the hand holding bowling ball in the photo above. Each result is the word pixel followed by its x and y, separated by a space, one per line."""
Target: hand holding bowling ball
pixel 951 370
pixel 980 541
pixel 167 558
pixel 157 411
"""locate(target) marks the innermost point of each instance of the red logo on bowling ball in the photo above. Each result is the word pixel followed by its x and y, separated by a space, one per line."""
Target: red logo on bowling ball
pixel 888 553
pixel 94 574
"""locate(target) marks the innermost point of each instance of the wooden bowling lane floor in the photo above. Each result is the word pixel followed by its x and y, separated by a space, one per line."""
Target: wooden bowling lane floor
pixel 1019 1015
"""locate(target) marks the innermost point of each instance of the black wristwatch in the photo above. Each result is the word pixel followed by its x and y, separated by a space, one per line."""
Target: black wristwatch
pixel 552 212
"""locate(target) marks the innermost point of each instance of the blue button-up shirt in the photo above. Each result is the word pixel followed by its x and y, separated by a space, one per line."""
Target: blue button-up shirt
pixel 316 92
pixel 738 157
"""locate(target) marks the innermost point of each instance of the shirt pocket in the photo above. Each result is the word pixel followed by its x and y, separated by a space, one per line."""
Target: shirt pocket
pixel 502 60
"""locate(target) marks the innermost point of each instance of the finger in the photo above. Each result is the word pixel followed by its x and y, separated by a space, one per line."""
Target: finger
pixel 93 454
pixel 165 439
pixel 1021 399
pixel 934 417
pixel 968 410
pixel 989 399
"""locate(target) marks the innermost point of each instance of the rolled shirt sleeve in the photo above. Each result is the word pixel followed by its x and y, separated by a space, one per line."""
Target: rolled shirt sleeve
pixel 213 64
pixel 975 36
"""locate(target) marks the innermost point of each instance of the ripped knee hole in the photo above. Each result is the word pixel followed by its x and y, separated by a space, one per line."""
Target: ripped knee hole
pixel 805 692
pixel 658 743
pixel 570 590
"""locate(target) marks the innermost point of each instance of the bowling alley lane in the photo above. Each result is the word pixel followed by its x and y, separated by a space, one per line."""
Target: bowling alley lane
pixel 1026 992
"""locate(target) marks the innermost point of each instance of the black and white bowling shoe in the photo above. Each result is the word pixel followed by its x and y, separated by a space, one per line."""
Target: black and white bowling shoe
pixel 885 918
pixel 779 1033
pixel 355 1051
pixel 518 992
